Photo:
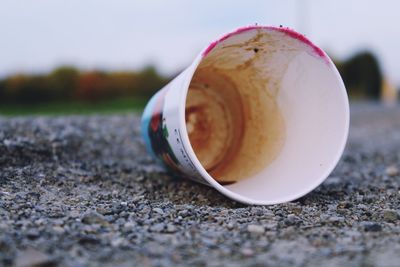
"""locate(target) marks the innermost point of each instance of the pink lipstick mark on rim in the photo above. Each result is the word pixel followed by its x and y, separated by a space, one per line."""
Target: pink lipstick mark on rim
pixel 295 35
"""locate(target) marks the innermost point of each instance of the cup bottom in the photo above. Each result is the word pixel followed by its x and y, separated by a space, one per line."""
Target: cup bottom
pixel 234 129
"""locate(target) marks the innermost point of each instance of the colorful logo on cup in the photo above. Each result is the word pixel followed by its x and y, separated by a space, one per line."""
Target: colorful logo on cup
pixel 155 132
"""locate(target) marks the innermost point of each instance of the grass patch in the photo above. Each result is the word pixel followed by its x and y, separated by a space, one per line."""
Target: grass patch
pixel 121 105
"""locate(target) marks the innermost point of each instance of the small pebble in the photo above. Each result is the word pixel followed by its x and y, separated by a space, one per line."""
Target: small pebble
pixel 93 217
pixel 372 227
pixel 32 258
pixel 74 214
pixel 116 242
pixel 290 220
pixel 157 227
pixel 390 215
pixel 171 228
pixel 58 229
pixel 392 171
pixel 129 225
pixel 230 226
pixel 247 252
pixel 33 233
pixel 158 210
pixel 255 229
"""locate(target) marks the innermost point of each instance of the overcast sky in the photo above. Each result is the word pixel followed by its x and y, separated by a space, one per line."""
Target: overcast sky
pixel 37 35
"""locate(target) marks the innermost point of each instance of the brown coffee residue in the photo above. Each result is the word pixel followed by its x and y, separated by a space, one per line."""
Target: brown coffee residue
pixel 214 119
pixel 233 120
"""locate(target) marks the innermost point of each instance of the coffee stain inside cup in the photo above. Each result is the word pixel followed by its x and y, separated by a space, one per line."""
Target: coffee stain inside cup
pixel 234 123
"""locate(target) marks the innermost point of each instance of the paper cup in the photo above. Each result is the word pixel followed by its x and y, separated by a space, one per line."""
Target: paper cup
pixel 261 115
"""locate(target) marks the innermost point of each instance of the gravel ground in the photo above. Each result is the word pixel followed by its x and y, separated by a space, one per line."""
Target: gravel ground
pixel 82 191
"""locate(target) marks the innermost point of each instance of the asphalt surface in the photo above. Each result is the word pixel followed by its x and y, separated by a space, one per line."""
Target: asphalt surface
pixel 82 191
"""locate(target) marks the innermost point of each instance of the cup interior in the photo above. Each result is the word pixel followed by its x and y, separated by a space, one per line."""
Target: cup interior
pixel 267 115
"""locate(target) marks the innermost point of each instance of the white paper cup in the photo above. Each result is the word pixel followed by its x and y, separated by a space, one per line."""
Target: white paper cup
pixel 261 115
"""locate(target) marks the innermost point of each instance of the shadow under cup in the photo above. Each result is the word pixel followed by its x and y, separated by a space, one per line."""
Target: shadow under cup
pixel 267 116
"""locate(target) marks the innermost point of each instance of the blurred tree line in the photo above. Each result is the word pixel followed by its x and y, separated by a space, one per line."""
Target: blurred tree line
pixel 361 74
pixel 69 84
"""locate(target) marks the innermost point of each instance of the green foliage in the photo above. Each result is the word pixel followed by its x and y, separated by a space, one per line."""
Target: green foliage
pixel 149 82
pixel 62 82
pixel 118 105
pixel 362 76
pixel 2 89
